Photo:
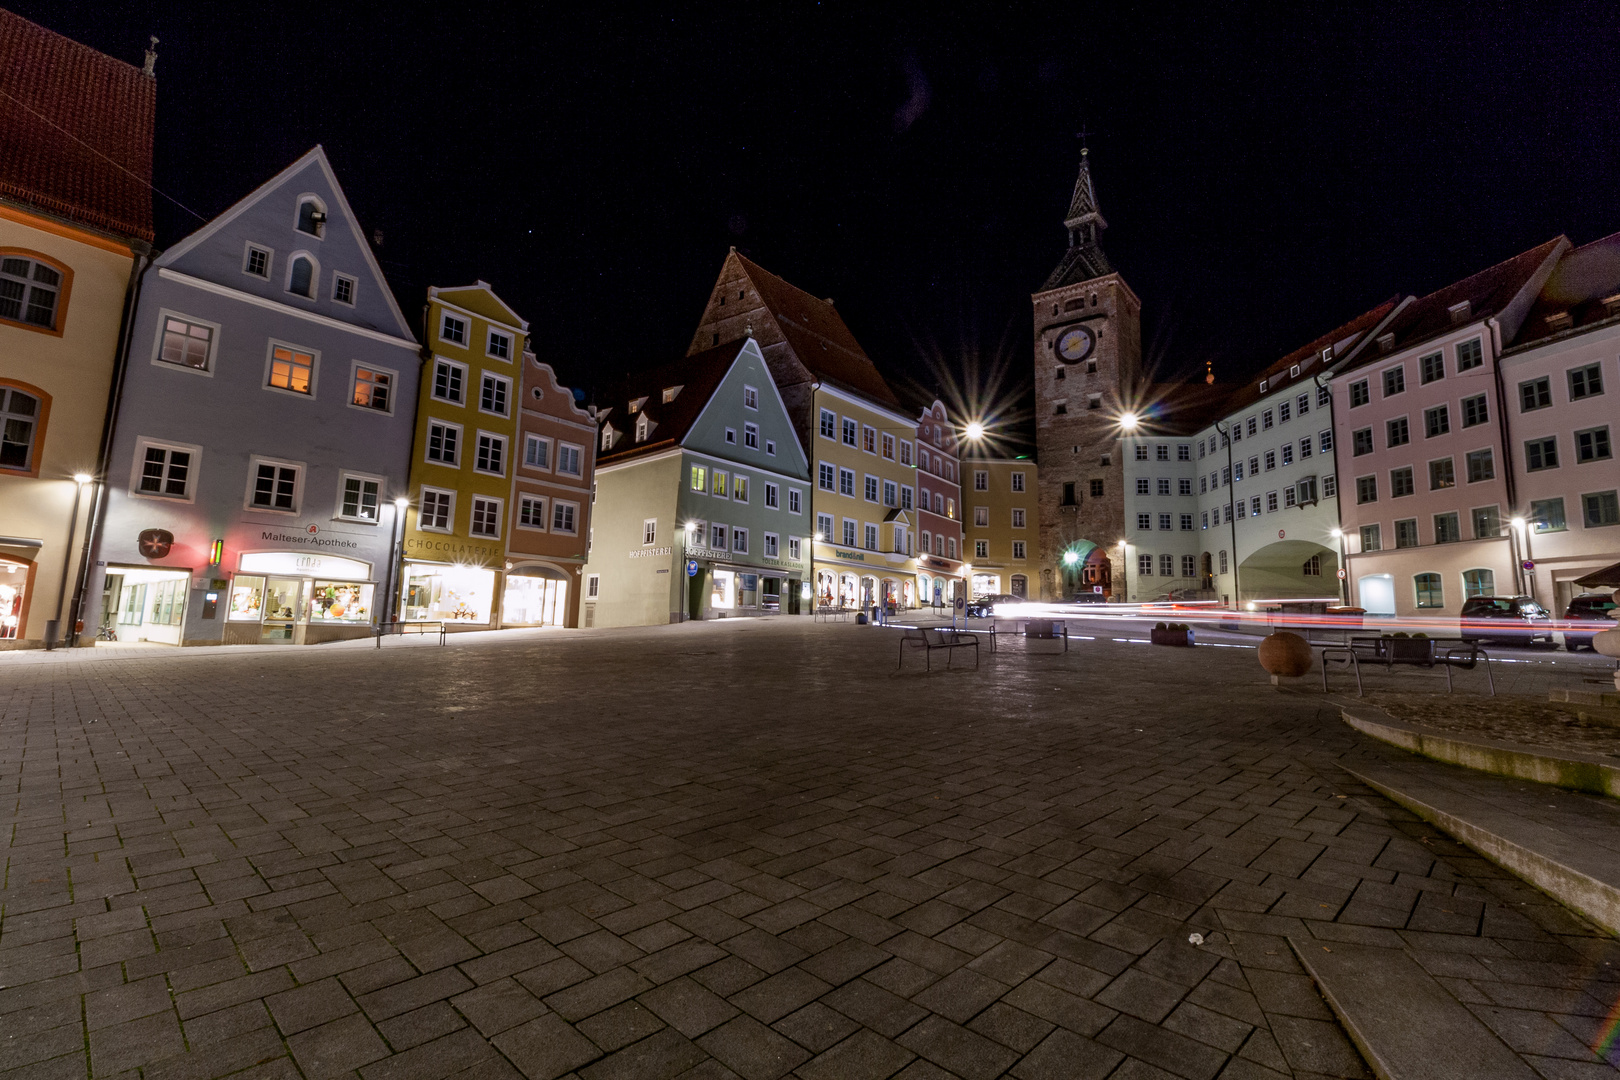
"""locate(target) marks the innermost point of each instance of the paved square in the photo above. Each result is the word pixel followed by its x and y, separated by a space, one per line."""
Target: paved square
pixel 747 848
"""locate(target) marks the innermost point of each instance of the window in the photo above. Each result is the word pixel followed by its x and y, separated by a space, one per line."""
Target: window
pixel 649 532
pixel 493 394
pixel 1481 466
pixel 869 440
pixel 1585 382
pixel 165 471
pixel 1144 522
pixel 1144 565
pixel 846 482
pixel 491 456
pixel 824 527
pixel 1271 502
pixel 1254 468
pixel 1164 485
pixel 795 548
pixel 568 459
pixel 981 549
pixel 1446 528
pixel 1369 538
pixel 593 586
pixel 311 216
pixel 257 262
pixel 905 453
pixel 773 496
pixel 1018 481
pixel 719 537
pixel 871 537
pixel 1184 485
pixel 1478 582
pixel 849 431
pixel 1436 421
pixel 343 289
pixel 871 486
pixel 1254 506
pixel 1366 489
pixel 739 488
pixel 537 455
pixel 1253 429
pixel 1144 486
pixel 1475 411
pixel 891 493
pixel 1302 404
pixel 1226 475
pixel 1203 485
pixel 771 549
pixel 1394 381
pixel 292 370
pixel 1161 452
pixel 562 516
pixel 1547 515
pixel 443 443
pixel 1093 401
pixel 731 433
pixel 1167 566
pixel 1324 440
pixel 751 436
pixel 1243 508
pixel 1359 394
pixel 20 419
pixel 1223 562
pixel 360 496
pixel 1541 454
pixel 1304 491
pixel 1305 447
pixel 448 377
pixel 1400 482
pixel 1361 441
pixel 1141 452
pixel 301 276
pixel 1442 474
pixel 888 446
pixel 1271 459
pixel 770 447
pixel 438 510
pixel 1186 522
pixel 1535 394
pixel 486 516
pixel 1397 432
pixel 1283 413
pixel 1429 593
pixel 981 480
pixel 187 343
pixel 1432 367
pixel 1183 452
pixel 1469 356
pixel 795 501
pixel 275 486
pixel 1096 489
pixel 453 330
pixel 1265 419
pixel 1288 453
pixel 532 512
pixel 1600 508
pixel 849 533
pixel 1592 444
pixel 829 424
pixel 1018 517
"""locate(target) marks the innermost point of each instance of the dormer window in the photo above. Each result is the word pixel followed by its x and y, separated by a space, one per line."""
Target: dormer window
pixel 636 404
pixel 1559 320
pixel 607 437
pixel 670 392
pixel 1293 372
pixel 301 276
pixel 312 216
pixel 1459 312
pixel 1263 384
pixel 1386 343
pixel 1611 305
pixel 642 427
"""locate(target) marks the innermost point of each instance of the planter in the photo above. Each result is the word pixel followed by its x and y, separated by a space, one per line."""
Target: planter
pixel 1176 634
pixel 1285 656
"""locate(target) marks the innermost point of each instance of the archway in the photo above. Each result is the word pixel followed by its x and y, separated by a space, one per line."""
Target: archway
pixel 1289 570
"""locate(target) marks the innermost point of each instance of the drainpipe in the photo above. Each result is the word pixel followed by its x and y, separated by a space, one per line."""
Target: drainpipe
pixel 1237 601
pixel 115 394
pixel 1338 514
pixel 1508 475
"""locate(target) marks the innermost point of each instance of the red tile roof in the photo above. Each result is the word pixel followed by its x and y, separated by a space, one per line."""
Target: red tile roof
pixel 698 376
pixel 1577 287
pixel 75 130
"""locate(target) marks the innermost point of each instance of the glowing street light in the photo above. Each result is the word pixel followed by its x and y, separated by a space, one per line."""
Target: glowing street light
pixel 1129 422
pixel 1517 523
pixel 1337 533
pixel 1070 558
pixel 974 431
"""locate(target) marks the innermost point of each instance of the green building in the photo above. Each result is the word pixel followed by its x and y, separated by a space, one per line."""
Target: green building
pixel 702 496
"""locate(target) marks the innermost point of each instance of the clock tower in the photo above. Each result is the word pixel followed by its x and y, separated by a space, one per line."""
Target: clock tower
pixel 1088 349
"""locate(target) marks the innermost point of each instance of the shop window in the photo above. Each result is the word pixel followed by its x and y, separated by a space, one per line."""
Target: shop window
pixel 532 512
pixel 486 517
pixel 438 510
pixel 562 516
pixel 22 420
pixel 360 498
pixel 448 380
pixel 494 394
pixel 31 291
pixel 164 470
pixel 275 486
pixel 373 389
pixel 292 370
pixel 444 443
pixel 187 343
pixel 343 289
pixel 491 456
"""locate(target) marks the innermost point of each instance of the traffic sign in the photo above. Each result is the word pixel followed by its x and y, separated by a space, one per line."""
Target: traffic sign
pixel 691 568
pixel 1528 565
pixel 1341 573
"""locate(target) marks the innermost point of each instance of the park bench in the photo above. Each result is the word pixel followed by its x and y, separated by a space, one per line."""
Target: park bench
pixel 931 640
pixel 827 612
pixel 1418 652
pixel 414 626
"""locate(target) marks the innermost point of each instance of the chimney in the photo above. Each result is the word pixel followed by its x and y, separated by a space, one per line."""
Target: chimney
pixel 151 58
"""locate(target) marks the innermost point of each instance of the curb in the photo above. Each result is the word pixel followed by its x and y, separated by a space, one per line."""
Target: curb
pixel 1578 772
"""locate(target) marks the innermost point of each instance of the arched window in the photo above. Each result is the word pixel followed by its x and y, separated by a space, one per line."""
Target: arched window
pixel 30 291
pixel 1479 583
pixel 302 278
pixel 21 420
pixel 311 216
pixel 1223 562
pixel 1429 591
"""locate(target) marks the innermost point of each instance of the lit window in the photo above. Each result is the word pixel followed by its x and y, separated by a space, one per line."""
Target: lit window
pixel 291 370
pixel 371 388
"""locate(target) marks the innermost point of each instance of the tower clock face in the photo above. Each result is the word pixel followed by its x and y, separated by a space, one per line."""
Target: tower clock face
pixel 1075 344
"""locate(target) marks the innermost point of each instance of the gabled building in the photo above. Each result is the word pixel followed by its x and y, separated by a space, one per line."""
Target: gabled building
pixel 75 234
pixel 548 537
pixel 457 528
pixel 702 495
pixel 264 430
pixel 858 437
pixel 940 509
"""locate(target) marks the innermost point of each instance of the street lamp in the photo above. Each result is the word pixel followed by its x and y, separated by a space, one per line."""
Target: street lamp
pixel 1125 570
pixel 1522 529
pixel 396 560
pixel 1129 422
pixel 974 431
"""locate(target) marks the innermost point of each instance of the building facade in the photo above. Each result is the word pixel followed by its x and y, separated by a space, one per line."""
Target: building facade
pixel 702 496
pixel 264 430
pixel 457 528
pixel 548 537
pixel 1001 525
pixel 75 233
pixel 940 508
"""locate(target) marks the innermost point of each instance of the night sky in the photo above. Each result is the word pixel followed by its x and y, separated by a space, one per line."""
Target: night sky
pixel 1264 175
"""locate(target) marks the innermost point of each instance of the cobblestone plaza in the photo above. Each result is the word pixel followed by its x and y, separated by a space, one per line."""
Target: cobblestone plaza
pixel 742 848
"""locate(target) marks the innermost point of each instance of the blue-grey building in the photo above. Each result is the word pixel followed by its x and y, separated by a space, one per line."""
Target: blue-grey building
pixel 263 431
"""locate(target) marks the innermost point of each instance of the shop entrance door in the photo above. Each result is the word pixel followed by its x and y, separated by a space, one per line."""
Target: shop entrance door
pixel 282 603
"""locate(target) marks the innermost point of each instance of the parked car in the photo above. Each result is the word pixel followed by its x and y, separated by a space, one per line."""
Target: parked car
pixel 1516 619
pixel 1088 597
pixel 1589 607
pixel 984 607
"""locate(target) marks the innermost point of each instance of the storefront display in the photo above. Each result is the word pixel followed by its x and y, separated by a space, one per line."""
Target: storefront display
pixel 445 591
pixel 13 589
pixel 288 598
pixel 535 596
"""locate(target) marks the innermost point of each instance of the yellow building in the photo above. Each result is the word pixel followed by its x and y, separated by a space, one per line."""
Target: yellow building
pixel 461 464
pixel 75 230
pixel 1001 525
pixel 864 468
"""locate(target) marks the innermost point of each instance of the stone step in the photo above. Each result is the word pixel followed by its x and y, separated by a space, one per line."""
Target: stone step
pixel 1405 1024
pixel 1563 842
pixel 1604 717
pixel 1601 698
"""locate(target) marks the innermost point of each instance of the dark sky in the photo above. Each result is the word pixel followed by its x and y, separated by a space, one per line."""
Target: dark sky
pixel 1265 174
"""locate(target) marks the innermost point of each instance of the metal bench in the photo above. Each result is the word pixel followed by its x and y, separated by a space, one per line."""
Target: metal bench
pixel 414 626
pixel 931 640
pixel 1422 652
pixel 828 612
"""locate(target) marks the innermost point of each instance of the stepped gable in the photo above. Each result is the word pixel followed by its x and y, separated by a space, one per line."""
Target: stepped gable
pixel 75 130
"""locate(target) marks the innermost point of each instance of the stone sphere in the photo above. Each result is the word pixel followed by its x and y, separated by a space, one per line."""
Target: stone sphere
pixel 1285 654
pixel 1607 643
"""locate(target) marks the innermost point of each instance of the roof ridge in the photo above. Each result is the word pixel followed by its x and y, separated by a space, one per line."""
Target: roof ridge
pixel 88 50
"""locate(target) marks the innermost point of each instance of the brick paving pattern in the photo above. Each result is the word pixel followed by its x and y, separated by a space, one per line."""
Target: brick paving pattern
pixel 745 849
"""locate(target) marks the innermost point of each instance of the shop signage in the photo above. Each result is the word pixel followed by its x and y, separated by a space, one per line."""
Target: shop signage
pixel 706 553
pixel 312 538
pixel 155 543
pixel 304 564
pixel 459 549
pixel 777 560
pixel 852 555
pixel 648 553
pixel 940 563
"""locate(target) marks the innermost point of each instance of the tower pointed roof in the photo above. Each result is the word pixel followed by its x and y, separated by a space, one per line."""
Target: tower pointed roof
pixel 1085 259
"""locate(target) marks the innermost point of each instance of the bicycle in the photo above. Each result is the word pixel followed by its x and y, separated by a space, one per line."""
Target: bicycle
pixel 107 633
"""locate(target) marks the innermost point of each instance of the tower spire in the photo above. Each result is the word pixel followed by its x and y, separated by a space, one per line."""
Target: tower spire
pixel 1085 259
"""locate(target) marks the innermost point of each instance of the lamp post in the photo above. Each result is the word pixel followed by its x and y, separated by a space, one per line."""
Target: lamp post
pixel 1344 574
pixel 53 626
pixel 1524 581
pixel 396 557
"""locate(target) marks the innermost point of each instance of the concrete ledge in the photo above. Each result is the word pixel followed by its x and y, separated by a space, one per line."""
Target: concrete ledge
pixel 1578 874
pixel 1578 772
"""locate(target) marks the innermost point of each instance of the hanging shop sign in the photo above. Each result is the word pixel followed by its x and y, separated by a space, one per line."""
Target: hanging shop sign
pixel 155 543
pixel 691 568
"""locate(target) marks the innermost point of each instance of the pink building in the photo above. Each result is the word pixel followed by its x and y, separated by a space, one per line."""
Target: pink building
pixel 939 510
